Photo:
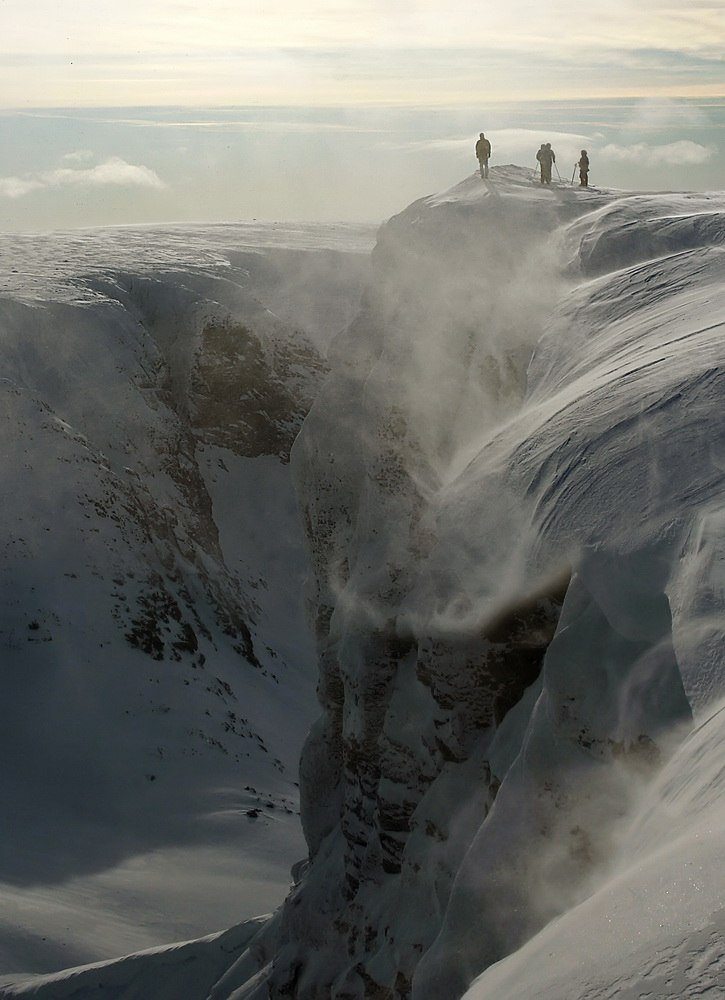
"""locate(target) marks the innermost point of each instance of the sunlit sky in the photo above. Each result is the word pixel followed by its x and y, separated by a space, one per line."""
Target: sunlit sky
pixel 106 53
pixel 158 110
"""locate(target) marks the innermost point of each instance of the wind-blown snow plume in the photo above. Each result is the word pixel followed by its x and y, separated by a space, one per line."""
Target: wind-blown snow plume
pixel 453 803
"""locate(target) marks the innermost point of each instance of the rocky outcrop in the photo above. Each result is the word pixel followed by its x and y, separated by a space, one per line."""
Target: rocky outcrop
pixel 246 402
pixel 243 385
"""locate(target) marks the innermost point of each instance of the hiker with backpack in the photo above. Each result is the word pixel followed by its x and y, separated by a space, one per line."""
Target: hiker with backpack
pixel 546 157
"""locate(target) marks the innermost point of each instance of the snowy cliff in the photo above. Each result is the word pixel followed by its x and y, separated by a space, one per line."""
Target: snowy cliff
pixel 511 484
pixel 158 672
pixel 499 545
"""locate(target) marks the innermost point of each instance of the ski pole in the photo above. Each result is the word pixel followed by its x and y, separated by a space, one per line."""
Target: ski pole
pixel 557 170
pixel 573 172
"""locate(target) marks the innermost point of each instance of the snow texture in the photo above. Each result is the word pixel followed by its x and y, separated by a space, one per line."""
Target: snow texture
pixel 158 669
pixel 511 484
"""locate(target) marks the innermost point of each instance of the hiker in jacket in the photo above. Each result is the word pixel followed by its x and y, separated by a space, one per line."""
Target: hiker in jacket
pixel 483 153
pixel 583 165
pixel 546 157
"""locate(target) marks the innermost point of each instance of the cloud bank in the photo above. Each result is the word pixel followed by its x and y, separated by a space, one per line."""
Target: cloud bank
pixel 683 151
pixel 514 141
pixel 112 172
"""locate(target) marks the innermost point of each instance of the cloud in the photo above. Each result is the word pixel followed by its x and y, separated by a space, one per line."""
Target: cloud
pixel 511 141
pixel 78 156
pixel 112 172
pixel 213 125
pixel 682 151
pixel 662 113
pixel 230 123
pixel 16 187
pixel 51 26
pixel 413 68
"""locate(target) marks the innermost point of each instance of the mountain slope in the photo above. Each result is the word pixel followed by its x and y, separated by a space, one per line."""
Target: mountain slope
pixel 158 667
pixel 453 801
pixel 511 484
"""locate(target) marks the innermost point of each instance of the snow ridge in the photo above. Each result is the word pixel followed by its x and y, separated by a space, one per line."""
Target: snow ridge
pixel 495 436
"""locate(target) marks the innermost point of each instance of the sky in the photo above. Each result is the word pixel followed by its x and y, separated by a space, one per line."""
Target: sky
pixel 169 110
pixel 241 52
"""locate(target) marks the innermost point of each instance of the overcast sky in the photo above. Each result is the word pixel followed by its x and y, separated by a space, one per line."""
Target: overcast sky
pixel 161 110
pixel 148 52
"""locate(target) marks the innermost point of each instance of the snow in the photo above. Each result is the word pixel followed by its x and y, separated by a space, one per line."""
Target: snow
pixel 481 495
pixel 150 786
pixel 655 927
pixel 614 461
pixel 52 266
pixel 190 968
pixel 511 487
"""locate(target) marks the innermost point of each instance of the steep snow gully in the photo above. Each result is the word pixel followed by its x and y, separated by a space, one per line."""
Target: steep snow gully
pixel 511 486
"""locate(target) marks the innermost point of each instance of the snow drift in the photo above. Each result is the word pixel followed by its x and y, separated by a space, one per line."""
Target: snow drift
pixel 511 484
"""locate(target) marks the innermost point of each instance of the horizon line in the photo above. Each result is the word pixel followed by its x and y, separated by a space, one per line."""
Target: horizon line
pixel 400 105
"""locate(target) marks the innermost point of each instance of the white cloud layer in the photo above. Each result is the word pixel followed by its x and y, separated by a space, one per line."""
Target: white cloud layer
pixel 508 141
pixel 112 172
pixel 78 156
pixel 683 151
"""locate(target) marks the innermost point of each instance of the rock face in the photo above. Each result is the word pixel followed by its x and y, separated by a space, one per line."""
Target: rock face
pixel 414 678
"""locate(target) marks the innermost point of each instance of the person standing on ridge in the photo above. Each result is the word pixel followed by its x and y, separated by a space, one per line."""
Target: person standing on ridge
pixel 583 165
pixel 483 153
pixel 546 157
pixel 539 153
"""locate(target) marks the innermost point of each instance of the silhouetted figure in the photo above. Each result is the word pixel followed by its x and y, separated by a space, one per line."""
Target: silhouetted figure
pixel 483 153
pixel 546 158
pixel 553 160
pixel 583 169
